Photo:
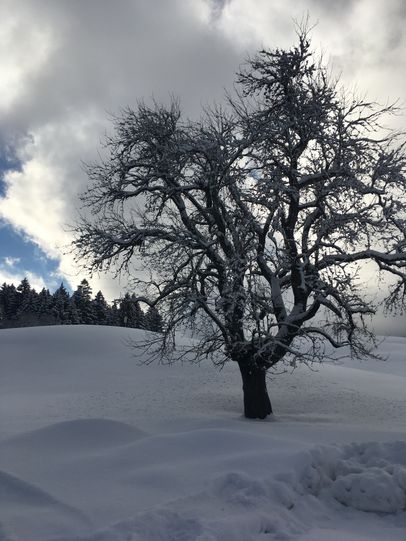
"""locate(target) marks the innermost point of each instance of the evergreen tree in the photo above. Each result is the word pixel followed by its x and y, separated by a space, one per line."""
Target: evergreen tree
pixel 114 315
pixel 74 317
pixel 131 314
pixel 45 312
pixel 23 306
pixel 100 309
pixel 9 304
pixel 44 301
pixel 24 290
pixel 82 299
pixel 28 304
pixel 153 320
pixel 62 306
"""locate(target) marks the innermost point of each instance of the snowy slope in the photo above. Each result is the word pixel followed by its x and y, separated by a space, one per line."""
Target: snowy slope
pixel 95 446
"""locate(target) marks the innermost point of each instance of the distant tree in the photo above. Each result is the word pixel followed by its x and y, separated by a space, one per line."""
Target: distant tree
pixel 24 290
pixel 257 217
pixel 23 306
pixel 130 312
pixel 28 305
pixel 74 317
pixel 9 304
pixel 100 309
pixel 153 320
pixel 45 308
pixel 63 310
pixel 82 299
pixel 114 315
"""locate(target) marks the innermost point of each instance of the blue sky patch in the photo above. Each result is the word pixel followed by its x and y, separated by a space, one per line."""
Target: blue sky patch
pixel 8 162
pixel 19 255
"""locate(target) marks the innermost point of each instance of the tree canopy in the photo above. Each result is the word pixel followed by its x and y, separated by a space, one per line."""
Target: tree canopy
pixel 257 217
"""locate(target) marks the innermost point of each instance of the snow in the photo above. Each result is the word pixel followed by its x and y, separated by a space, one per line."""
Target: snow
pixel 96 446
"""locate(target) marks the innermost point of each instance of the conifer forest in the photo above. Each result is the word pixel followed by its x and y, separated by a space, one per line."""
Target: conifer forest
pixel 23 306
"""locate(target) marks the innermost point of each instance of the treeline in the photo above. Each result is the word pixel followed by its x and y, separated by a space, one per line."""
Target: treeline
pixel 22 306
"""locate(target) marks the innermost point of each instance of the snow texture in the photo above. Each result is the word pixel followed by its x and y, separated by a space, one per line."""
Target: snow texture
pixel 368 476
pixel 97 447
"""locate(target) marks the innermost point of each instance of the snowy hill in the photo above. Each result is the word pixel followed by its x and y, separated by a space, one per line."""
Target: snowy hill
pixel 97 447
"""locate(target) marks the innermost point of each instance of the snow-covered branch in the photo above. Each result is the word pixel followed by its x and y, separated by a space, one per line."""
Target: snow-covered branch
pixel 255 218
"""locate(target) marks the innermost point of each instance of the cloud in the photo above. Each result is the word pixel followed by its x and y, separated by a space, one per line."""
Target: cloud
pixel 11 261
pixel 65 65
pixel 10 276
pixel 364 40
pixel 72 63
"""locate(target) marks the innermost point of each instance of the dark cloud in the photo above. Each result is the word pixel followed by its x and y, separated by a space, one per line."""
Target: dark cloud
pixel 102 56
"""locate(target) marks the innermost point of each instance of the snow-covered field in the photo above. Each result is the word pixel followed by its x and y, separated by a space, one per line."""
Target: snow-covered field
pixel 96 447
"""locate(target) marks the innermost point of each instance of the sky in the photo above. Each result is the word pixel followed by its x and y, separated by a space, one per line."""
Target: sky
pixel 67 65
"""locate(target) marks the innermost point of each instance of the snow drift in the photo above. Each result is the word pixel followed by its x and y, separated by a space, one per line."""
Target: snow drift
pixel 96 446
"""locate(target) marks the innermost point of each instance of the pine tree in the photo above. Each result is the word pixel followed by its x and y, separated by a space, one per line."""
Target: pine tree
pixel 100 309
pixel 131 314
pixel 74 317
pixel 153 320
pixel 46 314
pixel 24 290
pixel 44 301
pixel 28 305
pixel 1 312
pixel 113 318
pixel 82 299
pixel 62 306
pixel 23 306
pixel 9 304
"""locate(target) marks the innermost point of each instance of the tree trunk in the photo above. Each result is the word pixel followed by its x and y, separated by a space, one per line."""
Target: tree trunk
pixel 256 400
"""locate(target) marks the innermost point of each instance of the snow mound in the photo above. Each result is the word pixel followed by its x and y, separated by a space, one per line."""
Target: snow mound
pixel 160 525
pixel 78 434
pixel 365 476
pixel 13 489
pixel 30 506
pixel 239 488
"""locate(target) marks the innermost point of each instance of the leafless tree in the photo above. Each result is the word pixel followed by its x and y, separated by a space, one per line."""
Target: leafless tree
pixel 257 217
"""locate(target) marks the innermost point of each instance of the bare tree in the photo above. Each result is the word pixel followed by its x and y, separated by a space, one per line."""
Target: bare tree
pixel 257 217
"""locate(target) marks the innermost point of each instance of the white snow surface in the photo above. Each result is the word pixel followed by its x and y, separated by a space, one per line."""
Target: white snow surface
pixel 95 446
